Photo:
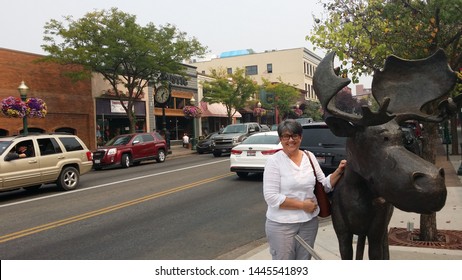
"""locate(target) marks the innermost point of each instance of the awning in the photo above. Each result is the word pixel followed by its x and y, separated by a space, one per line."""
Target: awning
pixel 216 110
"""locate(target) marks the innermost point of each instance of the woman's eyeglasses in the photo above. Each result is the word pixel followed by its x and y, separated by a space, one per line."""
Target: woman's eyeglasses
pixel 286 137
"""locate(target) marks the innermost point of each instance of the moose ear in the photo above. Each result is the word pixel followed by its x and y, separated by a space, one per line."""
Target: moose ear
pixel 340 127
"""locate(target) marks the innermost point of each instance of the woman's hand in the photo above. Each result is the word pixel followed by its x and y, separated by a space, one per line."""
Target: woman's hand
pixel 309 205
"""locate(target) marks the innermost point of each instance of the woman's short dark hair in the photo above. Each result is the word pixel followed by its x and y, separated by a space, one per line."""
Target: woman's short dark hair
pixel 291 126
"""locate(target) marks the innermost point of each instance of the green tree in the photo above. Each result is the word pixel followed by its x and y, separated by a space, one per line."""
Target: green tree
pixel 313 110
pixel 284 97
pixel 111 43
pixel 364 32
pixel 233 90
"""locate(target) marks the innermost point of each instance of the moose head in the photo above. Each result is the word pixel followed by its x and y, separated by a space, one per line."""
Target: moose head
pixel 381 172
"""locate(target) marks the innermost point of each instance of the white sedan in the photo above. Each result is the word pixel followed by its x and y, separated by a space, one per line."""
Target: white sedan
pixel 250 156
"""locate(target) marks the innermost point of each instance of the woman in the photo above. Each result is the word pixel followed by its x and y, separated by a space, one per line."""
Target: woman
pixel 288 185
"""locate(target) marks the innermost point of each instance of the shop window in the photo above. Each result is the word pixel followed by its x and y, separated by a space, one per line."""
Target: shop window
pixel 269 68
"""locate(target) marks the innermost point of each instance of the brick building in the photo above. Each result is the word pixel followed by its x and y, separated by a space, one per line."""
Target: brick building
pixel 70 104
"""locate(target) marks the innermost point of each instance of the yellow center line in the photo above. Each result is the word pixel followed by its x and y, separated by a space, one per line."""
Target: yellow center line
pixel 37 229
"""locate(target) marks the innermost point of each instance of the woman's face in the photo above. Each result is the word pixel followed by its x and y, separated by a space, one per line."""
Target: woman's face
pixel 290 142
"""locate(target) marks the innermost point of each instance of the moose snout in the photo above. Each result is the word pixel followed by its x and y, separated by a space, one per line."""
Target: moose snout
pixel 430 191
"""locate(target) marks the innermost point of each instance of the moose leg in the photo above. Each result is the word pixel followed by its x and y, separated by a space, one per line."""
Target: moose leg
pixel 345 242
pixel 378 233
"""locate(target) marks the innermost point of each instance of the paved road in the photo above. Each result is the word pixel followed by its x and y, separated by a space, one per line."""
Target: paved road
pixel 186 208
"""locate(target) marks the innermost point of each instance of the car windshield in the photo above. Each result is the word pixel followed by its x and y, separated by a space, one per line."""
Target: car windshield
pixel 235 128
pixel 321 137
pixel 119 141
pixel 4 145
pixel 262 139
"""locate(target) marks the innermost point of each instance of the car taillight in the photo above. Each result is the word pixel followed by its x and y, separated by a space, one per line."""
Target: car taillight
pixel 89 156
pixel 236 152
pixel 270 152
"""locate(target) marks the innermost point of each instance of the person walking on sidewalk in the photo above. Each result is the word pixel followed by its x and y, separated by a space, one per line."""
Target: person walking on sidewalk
pixel 288 185
pixel 185 140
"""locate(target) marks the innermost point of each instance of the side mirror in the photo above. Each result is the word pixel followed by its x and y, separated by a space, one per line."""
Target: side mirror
pixel 135 142
pixel 251 130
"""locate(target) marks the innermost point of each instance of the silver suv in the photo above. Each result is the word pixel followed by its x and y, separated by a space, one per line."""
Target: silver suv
pixel 30 161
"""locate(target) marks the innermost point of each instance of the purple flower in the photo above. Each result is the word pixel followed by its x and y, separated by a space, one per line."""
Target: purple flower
pixel 36 108
pixel 192 112
pixel 14 107
pixel 258 111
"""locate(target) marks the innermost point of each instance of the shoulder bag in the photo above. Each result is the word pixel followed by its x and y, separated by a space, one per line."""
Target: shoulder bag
pixel 321 195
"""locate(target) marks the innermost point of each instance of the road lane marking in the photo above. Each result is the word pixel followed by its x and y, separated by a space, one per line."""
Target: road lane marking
pixel 110 184
pixel 37 229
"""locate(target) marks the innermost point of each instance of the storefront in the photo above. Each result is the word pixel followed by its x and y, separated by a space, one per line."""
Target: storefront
pixel 112 120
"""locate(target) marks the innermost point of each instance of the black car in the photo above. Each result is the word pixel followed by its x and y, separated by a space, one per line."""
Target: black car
pixel 204 145
pixel 328 148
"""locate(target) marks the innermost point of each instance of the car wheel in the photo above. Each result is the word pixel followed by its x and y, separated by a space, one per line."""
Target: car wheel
pixel 125 161
pixel 216 154
pixel 242 174
pixel 69 178
pixel 161 156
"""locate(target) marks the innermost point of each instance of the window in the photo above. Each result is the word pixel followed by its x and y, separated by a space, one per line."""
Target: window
pixel 148 138
pixel 49 146
pixel 269 68
pixel 251 70
pixel 71 144
pixel 229 71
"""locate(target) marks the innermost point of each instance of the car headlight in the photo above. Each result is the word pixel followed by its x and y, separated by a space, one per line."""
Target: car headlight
pixel 112 151
pixel 235 140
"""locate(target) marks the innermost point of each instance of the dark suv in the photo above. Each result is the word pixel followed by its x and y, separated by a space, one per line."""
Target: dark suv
pixel 328 148
pixel 128 149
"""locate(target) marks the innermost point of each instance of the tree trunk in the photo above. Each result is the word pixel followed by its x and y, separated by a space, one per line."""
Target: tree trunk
pixel 428 230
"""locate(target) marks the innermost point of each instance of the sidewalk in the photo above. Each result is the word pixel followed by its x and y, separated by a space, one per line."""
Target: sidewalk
pixel 178 151
pixel 449 218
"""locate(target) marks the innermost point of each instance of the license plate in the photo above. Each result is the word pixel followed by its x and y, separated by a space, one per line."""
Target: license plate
pixel 251 153
pixel 97 161
pixel 321 159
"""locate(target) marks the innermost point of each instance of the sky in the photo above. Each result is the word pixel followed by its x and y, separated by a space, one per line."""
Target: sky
pixel 220 25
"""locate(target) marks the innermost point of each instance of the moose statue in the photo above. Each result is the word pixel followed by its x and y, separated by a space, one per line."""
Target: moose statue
pixel 381 174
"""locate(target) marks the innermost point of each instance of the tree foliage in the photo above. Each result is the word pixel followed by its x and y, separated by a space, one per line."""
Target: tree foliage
pixel 313 110
pixel 111 43
pixel 285 96
pixel 233 90
pixel 364 32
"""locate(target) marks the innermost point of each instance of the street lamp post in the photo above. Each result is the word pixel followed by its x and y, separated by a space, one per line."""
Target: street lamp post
pixel 193 138
pixel 23 90
pixel 259 112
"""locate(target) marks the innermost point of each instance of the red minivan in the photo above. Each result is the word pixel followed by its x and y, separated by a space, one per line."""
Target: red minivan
pixel 130 149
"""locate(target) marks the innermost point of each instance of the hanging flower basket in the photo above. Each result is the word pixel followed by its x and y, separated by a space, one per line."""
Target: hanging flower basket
pixel 13 107
pixel 36 108
pixel 258 111
pixel 192 112
pixel 298 112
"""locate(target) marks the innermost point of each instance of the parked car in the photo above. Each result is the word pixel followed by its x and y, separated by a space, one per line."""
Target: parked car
pixel 51 158
pixel 264 128
pixel 250 156
pixel 410 140
pixel 328 148
pixel 304 120
pixel 232 135
pixel 205 145
pixel 127 149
